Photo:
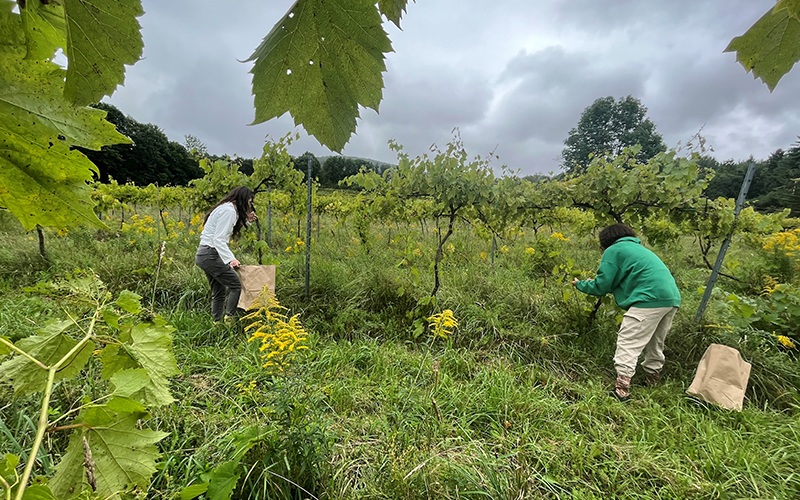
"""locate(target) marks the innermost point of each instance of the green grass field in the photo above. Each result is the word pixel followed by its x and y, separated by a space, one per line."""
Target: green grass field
pixel 514 405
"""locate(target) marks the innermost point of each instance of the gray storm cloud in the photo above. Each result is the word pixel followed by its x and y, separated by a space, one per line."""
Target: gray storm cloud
pixel 513 77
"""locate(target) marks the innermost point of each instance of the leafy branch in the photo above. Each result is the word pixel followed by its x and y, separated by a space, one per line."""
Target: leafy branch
pixel 106 442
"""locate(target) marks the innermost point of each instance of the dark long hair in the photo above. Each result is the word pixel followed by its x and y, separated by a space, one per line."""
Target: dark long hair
pixel 240 197
pixel 611 234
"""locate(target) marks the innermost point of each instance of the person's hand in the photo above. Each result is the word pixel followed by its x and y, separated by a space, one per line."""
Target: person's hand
pixel 574 281
pixel 235 263
pixel 252 217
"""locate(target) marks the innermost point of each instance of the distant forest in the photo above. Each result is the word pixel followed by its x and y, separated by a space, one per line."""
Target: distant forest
pixel 153 158
pixel 775 182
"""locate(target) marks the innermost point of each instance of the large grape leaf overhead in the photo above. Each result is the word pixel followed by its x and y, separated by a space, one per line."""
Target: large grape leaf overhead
pixel 43 181
pixel 793 6
pixel 772 45
pixel 393 9
pixel 102 37
pixel 45 29
pixel 319 63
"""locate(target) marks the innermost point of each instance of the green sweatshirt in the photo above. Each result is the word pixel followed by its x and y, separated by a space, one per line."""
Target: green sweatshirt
pixel 635 275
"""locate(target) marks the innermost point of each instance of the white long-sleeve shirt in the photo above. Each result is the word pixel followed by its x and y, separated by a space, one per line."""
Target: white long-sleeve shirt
pixel 218 229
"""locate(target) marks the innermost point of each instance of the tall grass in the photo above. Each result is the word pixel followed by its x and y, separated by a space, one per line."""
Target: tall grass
pixel 514 405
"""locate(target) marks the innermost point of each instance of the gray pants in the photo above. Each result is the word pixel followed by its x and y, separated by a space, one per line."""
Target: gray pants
pixel 222 278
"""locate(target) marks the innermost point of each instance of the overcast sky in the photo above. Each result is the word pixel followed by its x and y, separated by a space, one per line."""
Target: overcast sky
pixel 512 75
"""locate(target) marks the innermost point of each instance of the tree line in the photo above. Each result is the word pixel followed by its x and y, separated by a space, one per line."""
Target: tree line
pixel 775 183
pixel 153 158
pixel 606 127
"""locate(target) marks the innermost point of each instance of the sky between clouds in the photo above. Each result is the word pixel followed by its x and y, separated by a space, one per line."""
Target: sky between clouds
pixel 512 75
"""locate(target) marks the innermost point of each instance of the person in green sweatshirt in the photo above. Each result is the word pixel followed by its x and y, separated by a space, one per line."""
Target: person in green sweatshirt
pixel 643 285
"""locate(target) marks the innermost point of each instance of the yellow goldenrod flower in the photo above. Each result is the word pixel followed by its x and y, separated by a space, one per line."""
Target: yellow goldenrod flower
pixel 280 339
pixel 770 285
pixel 787 242
pixel 442 324
pixel 559 236
pixel 786 341
pixel 530 251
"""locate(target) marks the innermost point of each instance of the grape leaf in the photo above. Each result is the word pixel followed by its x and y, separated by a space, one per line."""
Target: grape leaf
pixel 4 349
pixel 116 358
pixel 45 28
pixel 110 317
pixel 793 7
pixel 149 348
pixel 124 456
pixel 122 405
pixel 319 63
pixel 102 37
pixel 393 9
pixel 8 464
pixel 49 346
pixel 771 46
pixel 130 387
pixel 43 181
pixel 129 302
pixel 69 479
pixel 38 492
pixel 128 382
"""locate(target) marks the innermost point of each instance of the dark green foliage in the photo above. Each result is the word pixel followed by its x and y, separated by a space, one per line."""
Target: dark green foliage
pixel 607 127
pixel 245 165
pixel 301 164
pixel 151 158
pixel 775 186
pixel 337 168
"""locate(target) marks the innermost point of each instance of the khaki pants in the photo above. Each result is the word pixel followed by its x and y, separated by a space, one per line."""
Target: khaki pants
pixel 643 330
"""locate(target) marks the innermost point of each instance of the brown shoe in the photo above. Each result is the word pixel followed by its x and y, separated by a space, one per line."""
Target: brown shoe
pixel 652 378
pixel 622 388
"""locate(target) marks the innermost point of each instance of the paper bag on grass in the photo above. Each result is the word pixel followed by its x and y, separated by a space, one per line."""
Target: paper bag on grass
pixel 254 279
pixel 721 378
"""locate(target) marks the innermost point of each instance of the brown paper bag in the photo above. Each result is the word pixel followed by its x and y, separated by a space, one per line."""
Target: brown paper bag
pixel 254 279
pixel 721 378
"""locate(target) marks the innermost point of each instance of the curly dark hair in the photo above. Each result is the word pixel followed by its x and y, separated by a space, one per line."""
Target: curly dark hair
pixel 611 234
pixel 241 198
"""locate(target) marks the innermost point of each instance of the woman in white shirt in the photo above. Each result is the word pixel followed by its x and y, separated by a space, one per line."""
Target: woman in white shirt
pixel 225 219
